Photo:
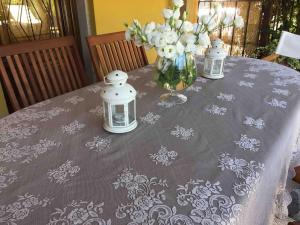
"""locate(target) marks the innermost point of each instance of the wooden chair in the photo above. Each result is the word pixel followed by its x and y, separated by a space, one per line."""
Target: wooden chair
pixel 111 52
pixel 289 46
pixel 38 70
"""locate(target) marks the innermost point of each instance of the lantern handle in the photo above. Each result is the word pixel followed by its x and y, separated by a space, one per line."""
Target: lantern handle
pixel 105 82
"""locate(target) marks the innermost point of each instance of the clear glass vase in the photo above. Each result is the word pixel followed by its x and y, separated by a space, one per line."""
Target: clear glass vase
pixel 175 75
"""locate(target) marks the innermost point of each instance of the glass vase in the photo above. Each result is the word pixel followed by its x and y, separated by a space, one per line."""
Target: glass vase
pixel 175 75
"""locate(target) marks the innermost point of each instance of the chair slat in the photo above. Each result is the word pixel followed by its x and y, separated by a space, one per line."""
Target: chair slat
pixel 102 64
pixel 63 68
pixel 117 49
pixel 37 70
pixel 38 76
pixel 112 51
pixel 106 58
pixel 17 80
pixel 124 54
pixel 73 66
pixel 36 91
pixel 24 79
pixel 111 57
pixel 51 72
pixel 69 70
pixel 8 85
pixel 44 74
pixel 57 70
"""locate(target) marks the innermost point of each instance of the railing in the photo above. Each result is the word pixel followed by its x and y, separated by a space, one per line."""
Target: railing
pixel 37 19
pixel 239 42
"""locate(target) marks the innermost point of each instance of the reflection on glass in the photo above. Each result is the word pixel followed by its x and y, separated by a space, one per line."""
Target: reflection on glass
pixel 106 115
pixel 118 115
pixel 217 67
pixel 131 113
pixel 207 65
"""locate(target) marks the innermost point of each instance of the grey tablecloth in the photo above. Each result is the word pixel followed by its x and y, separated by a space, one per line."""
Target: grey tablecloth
pixel 218 159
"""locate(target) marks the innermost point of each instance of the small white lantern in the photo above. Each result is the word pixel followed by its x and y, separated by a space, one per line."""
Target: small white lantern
pixel 119 103
pixel 214 60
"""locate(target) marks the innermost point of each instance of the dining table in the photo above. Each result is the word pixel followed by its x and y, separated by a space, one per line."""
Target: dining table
pixel 221 158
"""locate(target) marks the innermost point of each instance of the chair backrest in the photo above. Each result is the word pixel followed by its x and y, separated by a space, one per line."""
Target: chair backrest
pixel 38 70
pixel 289 45
pixel 112 52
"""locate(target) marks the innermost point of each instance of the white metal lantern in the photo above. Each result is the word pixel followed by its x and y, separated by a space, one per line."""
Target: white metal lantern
pixel 119 103
pixel 214 60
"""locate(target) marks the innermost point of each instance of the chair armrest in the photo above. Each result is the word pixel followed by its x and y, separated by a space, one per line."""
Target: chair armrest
pixel 271 58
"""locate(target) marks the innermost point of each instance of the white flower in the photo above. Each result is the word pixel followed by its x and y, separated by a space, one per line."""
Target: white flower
pixel 239 22
pixel 205 19
pixel 178 3
pixel 161 53
pixel 179 48
pixel 203 39
pixel 187 26
pixel 164 27
pixel 160 40
pixel 199 50
pixel 227 20
pixel 149 28
pixel 170 51
pixel 128 35
pixel 167 13
pixel 188 38
pixel 211 26
pixel 176 14
pixel 171 36
pixel 190 47
pixel 178 23
pixel 218 8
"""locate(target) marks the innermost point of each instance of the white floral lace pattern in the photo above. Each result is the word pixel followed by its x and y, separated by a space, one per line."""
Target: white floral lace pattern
pixel 150 118
pixel 62 174
pixel 183 133
pixel 151 84
pixel 216 110
pixel 73 127
pixel 246 172
pixel 226 97
pixel 250 76
pixel 141 94
pixel 257 123
pixel 133 77
pixel 95 89
pixel 20 131
pixel 74 100
pixel 248 144
pixel 194 88
pixel 7 177
pixel 146 201
pixel 12 151
pixel 163 156
pixel 98 111
pixel 12 213
pixel 210 206
pixel 246 84
pixel 79 212
pixel 166 105
pixel 277 103
pixel 99 144
pixel 201 79
pixel 283 92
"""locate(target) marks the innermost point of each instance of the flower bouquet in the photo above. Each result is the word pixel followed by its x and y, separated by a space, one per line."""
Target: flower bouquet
pixel 177 41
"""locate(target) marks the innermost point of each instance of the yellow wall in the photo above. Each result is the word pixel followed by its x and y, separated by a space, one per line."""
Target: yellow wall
pixel 3 108
pixel 111 15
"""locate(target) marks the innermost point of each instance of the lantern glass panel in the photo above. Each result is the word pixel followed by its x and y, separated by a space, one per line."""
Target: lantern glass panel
pixel 106 115
pixel 217 67
pixel 118 115
pixel 207 65
pixel 131 111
